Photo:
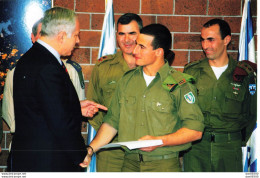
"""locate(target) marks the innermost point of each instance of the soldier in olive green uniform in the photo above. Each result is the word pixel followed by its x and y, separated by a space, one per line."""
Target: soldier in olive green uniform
pixel 228 107
pixel 103 82
pixel 152 102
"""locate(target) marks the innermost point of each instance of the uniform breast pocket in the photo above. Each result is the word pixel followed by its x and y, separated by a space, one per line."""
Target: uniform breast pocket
pixel 108 90
pixel 164 104
pixel 203 98
pixel 160 106
pixel 233 103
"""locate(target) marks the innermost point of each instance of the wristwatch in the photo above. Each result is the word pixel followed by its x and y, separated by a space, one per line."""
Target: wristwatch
pixel 90 150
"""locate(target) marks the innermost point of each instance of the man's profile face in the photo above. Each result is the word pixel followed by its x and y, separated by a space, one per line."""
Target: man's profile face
pixel 70 41
pixel 144 53
pixel 212 43
pixel 126 36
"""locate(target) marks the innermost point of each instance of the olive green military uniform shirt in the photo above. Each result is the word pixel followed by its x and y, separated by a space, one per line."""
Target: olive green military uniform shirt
pixel 227 105
pixel 137 110
pixel 104 78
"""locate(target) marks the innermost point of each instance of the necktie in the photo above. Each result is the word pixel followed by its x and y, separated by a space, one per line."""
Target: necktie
pixel 63 66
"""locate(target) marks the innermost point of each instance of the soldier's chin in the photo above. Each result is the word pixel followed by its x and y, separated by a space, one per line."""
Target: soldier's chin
pixel 209 57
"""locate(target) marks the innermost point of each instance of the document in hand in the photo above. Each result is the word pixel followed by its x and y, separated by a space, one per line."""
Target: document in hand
pixel 135 144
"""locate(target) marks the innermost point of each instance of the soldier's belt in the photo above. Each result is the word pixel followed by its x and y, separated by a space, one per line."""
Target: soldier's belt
pixel 143 158
pixel 221 137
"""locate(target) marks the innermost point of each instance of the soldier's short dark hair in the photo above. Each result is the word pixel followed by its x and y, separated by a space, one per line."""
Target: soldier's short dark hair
pixel 129 17
pixel 162 39
pixel 223 26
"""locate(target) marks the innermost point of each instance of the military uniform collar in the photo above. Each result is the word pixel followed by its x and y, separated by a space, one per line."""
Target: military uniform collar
pixel 162 73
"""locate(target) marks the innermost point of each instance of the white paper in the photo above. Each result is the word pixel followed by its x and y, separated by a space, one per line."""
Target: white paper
pixel 134 144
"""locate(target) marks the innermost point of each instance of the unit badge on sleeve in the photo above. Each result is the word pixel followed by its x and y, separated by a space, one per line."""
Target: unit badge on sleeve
pixel 252 88
pixel 189 97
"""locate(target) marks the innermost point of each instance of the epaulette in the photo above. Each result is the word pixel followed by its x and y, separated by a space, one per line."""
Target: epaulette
pixel 176 79
pixel 78 68
pixel 105 58
pixel 248 66
pixel 188 65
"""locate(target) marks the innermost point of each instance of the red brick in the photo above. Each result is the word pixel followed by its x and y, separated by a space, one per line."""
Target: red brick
pixel 94 55
pixel 97 21
pixel 64 3
pixel 81 55
pixel 173 23
pixel 224 7
pixel 234 23
pixel 90 38
pixel 125 6
pixel 157 7
pixel 181 58
pixel 196 55
pixel 196 23
pixel 147 19
pixel 90 6
pixel 253 7
pixel 234 43
pixel 186 41
pixel 233 55
pixel 185 7
pixel 87 69
pixel 84 21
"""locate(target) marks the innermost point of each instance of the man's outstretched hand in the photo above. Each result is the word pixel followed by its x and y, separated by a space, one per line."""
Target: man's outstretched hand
pixel 90 108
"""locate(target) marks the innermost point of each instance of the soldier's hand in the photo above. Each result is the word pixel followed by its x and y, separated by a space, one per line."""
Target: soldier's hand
pixel 150 148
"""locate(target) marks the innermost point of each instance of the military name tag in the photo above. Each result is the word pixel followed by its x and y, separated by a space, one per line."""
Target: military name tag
pixel 252 88
pixel 189 97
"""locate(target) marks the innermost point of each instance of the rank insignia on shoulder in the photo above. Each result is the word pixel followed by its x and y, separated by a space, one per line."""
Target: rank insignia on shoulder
pixel 252 88
pixel 189 97
pixel 102 59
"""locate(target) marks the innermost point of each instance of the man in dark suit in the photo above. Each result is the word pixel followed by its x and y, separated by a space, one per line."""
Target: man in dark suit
pixel 47 109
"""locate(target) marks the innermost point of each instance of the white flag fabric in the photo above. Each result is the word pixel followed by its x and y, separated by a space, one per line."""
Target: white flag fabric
pixel 246 38
pixel 247 52
pixel 107 46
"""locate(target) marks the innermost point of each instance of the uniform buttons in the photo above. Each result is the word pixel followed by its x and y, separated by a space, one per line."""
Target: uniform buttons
pixel 144 96
pixel 142 110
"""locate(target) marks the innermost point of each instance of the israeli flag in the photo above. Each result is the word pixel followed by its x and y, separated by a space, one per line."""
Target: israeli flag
pixel 246 38
pixel 247 52
pixel 107 46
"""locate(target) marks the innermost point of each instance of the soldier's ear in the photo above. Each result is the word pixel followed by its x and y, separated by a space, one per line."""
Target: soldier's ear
pixel 227 40
pixel 159 52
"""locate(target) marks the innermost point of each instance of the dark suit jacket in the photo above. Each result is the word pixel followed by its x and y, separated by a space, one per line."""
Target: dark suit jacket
pixel 47 116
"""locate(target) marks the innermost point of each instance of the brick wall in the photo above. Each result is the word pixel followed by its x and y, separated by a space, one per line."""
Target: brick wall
pixel 184 18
